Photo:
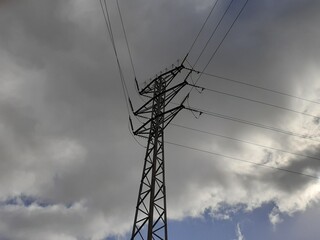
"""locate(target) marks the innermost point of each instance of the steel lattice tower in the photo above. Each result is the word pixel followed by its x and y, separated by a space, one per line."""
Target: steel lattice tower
pixel 150 220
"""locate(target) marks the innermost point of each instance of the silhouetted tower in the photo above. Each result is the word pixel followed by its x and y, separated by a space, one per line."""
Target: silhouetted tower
pixel 150 220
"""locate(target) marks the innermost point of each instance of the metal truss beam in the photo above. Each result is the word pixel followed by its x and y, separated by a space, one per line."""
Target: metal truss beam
pixel 150 220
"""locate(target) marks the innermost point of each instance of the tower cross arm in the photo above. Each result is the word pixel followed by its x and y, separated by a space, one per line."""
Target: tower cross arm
pixel 167 116
pixel 170 94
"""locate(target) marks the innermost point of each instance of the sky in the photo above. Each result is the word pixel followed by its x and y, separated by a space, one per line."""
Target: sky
pixel 69 167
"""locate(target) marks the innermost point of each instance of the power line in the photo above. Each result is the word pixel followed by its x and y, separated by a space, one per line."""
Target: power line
pixel 205 22
pixel 224 37
pixel 134 137
pixel 242 160
pixel 253 100
pixel 123 83
pixel 212 34
pixel 125 89
pixel 126 38
pixel 128 48
pixel 258 87
pixel 218 115
pixel 244 141
pixel 106 16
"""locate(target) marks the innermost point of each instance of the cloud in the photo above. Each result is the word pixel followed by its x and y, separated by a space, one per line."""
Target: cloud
pixel 63 123
pixel 275 217
pixel 239 233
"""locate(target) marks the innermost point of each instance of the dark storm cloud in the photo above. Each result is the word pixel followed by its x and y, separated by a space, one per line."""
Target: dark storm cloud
pixel 288 181
pixel 34 29
pixel 64 134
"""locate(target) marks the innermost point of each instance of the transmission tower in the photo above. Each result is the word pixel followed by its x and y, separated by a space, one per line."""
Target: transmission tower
pixel 150 220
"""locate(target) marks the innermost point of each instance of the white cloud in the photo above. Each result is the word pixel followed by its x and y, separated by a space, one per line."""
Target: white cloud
pixel 239 233
pixel 63 123
pixel 275 217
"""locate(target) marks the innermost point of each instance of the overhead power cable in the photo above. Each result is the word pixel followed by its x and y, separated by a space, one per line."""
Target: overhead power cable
pixel 246 142
pixel 257 87
pixel 213 33
pixel 126 38
pixel 106 16
pixel 128 47
pixel 219 45
pixel 253 100
pixel 134 137
pixel 243 160
pixel 203 25
pixel 259 125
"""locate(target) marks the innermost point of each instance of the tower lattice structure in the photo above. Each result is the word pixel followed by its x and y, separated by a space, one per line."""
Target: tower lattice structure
pixel 150 220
